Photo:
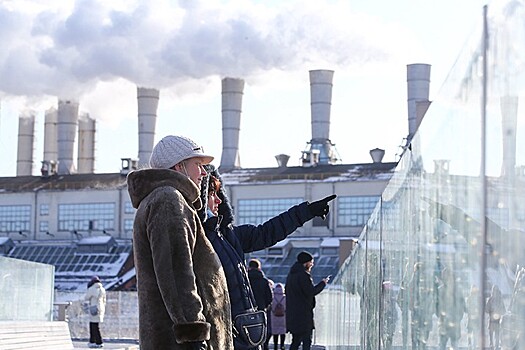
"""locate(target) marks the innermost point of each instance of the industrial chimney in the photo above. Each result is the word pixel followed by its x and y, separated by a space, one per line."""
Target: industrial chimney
pixel 86 144
pixel 232 91
pixel 67 121
pixel 26 137
pixel 321 149
pixel 148 101
pixel 50 135
pixel 418 85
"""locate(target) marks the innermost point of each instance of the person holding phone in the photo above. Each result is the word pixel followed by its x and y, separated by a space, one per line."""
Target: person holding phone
pixel 300 300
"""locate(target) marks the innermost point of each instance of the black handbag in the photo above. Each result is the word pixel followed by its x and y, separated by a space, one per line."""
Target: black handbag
pixel 250 326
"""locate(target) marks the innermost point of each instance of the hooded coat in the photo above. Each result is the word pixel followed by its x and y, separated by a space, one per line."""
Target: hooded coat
pixel 96 296
pixel 278 322
pixel 182 290
pixel 300 299
pixel 232 242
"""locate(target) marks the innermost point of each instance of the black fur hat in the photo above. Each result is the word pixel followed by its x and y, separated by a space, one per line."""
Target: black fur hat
pixel 225 208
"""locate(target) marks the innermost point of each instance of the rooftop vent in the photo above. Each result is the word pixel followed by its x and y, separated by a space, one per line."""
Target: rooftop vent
pixel 377 155
pixel 282 160
pixel 128 164
pixel 310 157
pixel 49 168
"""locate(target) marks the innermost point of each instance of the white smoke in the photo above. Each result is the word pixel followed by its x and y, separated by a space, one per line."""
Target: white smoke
pixel 67 51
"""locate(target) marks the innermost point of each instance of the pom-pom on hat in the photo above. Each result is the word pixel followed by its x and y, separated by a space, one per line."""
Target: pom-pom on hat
pixel 304 257
pixel 172 150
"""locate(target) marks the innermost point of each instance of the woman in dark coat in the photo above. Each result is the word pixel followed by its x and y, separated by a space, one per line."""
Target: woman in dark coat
pixel 300 301
pixel 232 242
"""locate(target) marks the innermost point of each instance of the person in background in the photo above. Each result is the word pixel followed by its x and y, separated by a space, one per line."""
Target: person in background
pixel 278 317
pixel 232 242
pixel 496 309
pixel 96 303
pixel 261 290
pixel 182 291
pixel 473 320
pixel 389 315
pixel 300 300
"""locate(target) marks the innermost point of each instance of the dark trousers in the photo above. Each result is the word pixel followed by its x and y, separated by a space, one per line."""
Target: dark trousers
pixel 94 333
pixel 298 338
pixel 278 340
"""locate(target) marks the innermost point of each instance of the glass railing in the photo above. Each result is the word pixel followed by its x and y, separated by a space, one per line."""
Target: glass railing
pixel 26 289
pixel 440 262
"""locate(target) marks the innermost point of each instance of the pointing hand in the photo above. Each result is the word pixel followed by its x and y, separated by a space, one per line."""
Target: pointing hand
pixel 321 208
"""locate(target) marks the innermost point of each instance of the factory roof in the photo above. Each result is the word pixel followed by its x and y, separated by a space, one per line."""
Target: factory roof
pixel 319 172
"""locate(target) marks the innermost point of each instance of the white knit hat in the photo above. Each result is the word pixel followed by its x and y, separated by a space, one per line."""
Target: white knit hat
pixel 172 150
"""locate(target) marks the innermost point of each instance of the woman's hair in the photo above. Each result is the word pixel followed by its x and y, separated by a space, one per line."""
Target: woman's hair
pixel 214 184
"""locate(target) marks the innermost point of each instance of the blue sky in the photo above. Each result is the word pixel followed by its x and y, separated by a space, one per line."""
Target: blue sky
pixel 99 51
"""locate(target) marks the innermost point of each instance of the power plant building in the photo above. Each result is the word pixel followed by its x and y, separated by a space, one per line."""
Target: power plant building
pixel 81 222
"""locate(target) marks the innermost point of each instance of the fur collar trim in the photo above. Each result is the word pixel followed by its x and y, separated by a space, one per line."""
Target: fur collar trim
pixel 142 182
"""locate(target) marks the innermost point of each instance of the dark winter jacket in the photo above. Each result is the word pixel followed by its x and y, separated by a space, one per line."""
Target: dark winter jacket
pixel 261 288
pixel 182 289
pixel 300 299
pixel 232 242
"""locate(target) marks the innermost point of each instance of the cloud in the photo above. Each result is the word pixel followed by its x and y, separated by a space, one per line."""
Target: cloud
pixel 69 50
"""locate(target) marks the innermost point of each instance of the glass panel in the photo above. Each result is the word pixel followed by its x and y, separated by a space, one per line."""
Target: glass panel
pixel 29 287
pixel 440 258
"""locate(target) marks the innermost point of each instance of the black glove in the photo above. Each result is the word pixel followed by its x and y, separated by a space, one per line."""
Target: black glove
pixel 197 345
pixel 320 208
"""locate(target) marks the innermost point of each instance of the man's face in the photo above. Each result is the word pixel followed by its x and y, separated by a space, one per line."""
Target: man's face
pixel 192 168
pixel 308 265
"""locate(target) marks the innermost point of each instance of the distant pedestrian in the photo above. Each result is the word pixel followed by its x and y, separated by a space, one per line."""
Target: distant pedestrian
pixel 496 309
pixel 388 315
pixel 278 317
pixel 96 307
pixel 261 289
pixel 473 320
pixel 300 301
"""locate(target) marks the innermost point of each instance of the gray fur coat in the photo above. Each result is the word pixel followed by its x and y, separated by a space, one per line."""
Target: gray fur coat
pixel 182 289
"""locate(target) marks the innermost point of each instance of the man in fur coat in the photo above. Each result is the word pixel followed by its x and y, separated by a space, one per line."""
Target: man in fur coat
pixel 183 295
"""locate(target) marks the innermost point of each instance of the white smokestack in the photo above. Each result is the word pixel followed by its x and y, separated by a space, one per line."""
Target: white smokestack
pixel 26 137
pixel 67 121
pixel 232 91
pixel 418 85
pixel 50 135
pixel 321 103
pixel 86 144
pixel 148 101
pixel 509 116
pixel 321 149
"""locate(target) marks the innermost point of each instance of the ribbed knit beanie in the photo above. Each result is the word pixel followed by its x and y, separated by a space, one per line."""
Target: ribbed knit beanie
pixel 172 150
pixel 304 257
